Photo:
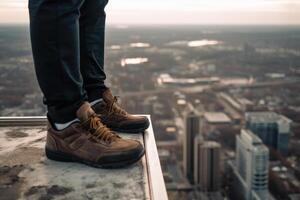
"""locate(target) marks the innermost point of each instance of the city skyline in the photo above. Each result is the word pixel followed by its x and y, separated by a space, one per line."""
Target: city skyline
pixel 219 73
pixel 177 12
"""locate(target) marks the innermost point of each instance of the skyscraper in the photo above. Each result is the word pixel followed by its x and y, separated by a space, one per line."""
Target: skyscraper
pixel 272 128
pixel 252 160
pixel 207 165
pixel 192 129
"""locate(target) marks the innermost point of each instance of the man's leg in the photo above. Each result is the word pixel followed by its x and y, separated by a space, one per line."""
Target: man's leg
pixel 54 28
pixel 55 44
pixel 92 38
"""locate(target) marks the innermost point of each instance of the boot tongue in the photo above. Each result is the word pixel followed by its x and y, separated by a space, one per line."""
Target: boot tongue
pixel 84 112
pixel 107 96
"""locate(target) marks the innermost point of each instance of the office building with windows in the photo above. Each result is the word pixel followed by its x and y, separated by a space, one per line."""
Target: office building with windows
pixel 251 166
pixel 207 165
pixel 192 129
pixel 273 129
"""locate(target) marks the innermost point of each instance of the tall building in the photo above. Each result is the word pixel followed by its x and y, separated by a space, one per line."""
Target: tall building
pixel 198 141
pixel 272 128
pixel 207 165
pixel 251 167
pixel 192 129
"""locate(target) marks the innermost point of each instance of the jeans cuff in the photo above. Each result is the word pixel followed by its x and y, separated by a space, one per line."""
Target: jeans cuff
pixel 64 114
pixel 96 93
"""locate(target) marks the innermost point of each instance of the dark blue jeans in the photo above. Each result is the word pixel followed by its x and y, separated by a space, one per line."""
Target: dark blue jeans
pixel 67 38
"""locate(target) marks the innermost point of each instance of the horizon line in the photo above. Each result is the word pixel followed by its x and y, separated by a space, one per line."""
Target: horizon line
pixel 179 24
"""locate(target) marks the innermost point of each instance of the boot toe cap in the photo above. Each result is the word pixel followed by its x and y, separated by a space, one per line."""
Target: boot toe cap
pixel 132 150
pixel 137 122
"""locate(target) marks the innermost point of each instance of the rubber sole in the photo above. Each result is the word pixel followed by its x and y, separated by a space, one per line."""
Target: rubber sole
pixel 131 130
pixel 63 157
pixel 134 131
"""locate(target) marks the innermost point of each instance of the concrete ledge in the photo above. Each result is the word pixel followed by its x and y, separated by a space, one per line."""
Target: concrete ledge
pixel 25 173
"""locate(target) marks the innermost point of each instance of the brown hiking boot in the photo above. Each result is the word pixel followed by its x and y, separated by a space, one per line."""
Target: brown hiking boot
pixel 92 143
pixel 116 118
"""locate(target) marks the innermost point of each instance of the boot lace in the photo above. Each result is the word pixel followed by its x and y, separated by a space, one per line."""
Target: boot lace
pixel 99 131
pixel 114 108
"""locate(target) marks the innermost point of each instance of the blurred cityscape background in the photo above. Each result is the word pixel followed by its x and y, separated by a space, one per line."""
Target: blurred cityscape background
pixel 224 99
pixel 224 102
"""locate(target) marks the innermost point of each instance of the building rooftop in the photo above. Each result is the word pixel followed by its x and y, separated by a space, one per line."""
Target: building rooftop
pixel 25 172
pixel 210 144
pixel 253 142
pixel 168 79
pixel 266 117
pixel 248 135
pixel 216 117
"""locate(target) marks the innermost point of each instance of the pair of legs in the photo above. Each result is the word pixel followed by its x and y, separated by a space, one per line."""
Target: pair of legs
pixel 68 48
pixel 67 39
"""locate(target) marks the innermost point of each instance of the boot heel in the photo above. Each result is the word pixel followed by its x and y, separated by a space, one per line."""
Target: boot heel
pixel 52 155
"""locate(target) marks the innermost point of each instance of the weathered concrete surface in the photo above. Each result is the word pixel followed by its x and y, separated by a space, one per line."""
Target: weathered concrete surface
pixel 25 172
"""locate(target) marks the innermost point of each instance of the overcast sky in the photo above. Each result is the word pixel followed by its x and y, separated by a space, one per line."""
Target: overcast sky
pixel 180 11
